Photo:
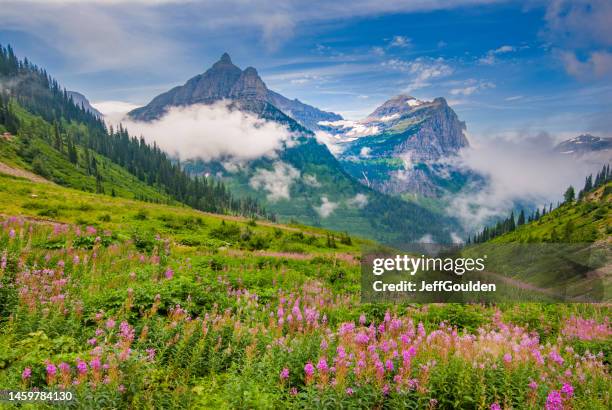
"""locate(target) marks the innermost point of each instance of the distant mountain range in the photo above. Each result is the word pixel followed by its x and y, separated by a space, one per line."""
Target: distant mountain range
pixel 403 147
pixel 81 101
pixel 225 81
pixel 303 181
pixel 584 144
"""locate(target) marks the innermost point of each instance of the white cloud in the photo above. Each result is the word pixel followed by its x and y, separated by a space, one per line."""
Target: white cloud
pixel 578 24
pixel 581 28
pixel 471 87
pixel 94 36
pixel 490 59
pixel 379 51
pixel 597 64
pixel 400 41
pixel 101 34
pixel 212 132
pixel 504 49
pixel 113 107
pixel 365 152
pixel 456 238
pixel 326 208
pixel 427 238
pixel 358 201
pixel 277 182
pixel 518 168
pixel 421 70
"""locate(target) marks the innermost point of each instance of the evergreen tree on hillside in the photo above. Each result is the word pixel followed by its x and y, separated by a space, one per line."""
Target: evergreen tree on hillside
pixel 521 218
pixel 569 195
pixel 65 126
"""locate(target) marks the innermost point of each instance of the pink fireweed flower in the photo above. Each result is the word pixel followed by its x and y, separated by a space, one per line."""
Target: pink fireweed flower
pixel 533 385
pixel 362 338
pixel 95 364
pixel 81 366
pixel 64 367
pixel 12 233
pixel 507 358
pixel 554 401
pixel 75 260
pixel 537 355
pixel 284 374
pixel 495 406
pixel 389 365
pixel 567 390
pixel 323 345
pixel 110 324
pixel 349 391
pixel 61 264
pixel 555 357
pixel 121 388
pixel 169 273
pixel 51 369
pixel 26 374
pixel 150 354
pixel 362 319
pixel 92 341
pixel 309 369
pixel 127 332
pixel 322 366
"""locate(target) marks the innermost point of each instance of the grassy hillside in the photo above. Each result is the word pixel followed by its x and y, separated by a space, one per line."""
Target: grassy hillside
pixel 587 220
pixel 139 305
pixel 28 150
pixel 563 255
pixel 188 227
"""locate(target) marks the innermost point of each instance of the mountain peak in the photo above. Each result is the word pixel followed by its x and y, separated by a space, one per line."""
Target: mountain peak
pixel 224 80
pixel 584 144
pixel 249 86
pixel 398 104
pixel 224 62
pixel 225 58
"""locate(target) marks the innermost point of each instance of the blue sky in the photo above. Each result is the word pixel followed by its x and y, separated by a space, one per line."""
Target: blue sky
pixel 508 68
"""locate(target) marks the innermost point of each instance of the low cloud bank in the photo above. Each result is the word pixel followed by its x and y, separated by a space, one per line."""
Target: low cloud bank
pixel 326 208
pixel 518 169
pixel 211 132
pixel 277 182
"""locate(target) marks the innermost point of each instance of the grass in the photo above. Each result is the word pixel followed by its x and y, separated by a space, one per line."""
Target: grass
pixel 142 305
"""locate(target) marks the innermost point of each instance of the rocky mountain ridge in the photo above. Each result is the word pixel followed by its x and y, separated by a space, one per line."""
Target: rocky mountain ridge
pixel 403 147
pixel 226 81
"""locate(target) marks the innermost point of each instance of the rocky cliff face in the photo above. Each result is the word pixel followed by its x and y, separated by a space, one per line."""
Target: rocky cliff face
pixel 245 88
pixel 403 147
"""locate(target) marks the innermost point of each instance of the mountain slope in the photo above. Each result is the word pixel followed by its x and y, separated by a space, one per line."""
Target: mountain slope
pixel 587 220
pixel 81 101
pixel 224 80
pixel 89 172
pixel 302 180
pixel 403 147
pixel 67 143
